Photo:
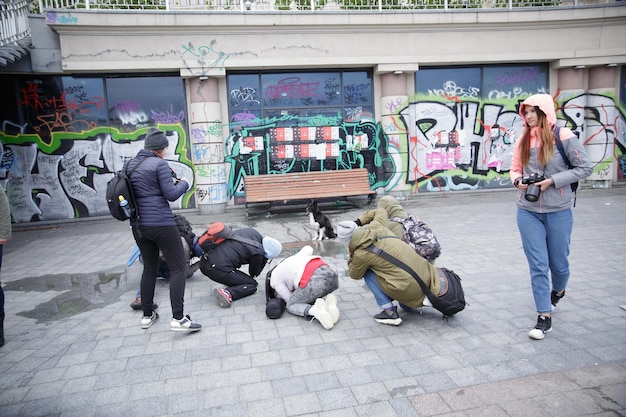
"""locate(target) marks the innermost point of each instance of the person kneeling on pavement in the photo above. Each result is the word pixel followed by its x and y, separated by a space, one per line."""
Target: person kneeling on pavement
pixel 222 263
pixel 388 282
pixel 302 280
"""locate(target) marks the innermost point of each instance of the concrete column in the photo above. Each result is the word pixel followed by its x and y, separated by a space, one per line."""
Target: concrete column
pixel 207 146
pixel 601 125
pixel 394 98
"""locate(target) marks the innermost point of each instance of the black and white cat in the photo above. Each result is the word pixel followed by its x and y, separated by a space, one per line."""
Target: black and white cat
pixel 321 223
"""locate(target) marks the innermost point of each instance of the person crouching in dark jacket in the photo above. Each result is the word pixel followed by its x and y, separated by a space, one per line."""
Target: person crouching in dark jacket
pixel 387 281
pixel 155 229
pixel 222 263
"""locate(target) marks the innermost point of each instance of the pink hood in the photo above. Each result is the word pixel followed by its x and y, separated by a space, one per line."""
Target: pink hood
pixel 544 102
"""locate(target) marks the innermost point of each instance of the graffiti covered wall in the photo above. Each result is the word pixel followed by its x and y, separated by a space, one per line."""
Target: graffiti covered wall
pixel 61 143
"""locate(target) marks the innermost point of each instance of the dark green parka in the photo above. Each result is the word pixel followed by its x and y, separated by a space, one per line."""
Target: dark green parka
pixel 393 280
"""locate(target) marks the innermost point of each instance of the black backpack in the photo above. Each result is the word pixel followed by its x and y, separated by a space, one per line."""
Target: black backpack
pixel 449 302
pixel 274 305
pixel 118 186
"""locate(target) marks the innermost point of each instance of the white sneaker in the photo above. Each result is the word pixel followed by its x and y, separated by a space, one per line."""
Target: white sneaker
pixel 147 321
pixel 319 312
pixel 331 307
pixel 184 325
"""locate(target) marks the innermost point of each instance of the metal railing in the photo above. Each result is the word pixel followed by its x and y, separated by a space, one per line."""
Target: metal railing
pixel 14 31
pixel 13 22
pixel 310 5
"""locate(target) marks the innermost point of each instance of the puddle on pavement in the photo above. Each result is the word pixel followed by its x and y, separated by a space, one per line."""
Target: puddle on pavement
pixel 78 292
pixel 82 292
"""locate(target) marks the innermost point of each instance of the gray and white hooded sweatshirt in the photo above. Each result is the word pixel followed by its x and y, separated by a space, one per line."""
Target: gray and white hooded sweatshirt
pixel 559 196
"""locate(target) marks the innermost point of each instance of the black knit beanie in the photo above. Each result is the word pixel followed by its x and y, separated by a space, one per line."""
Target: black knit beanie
pixel 155 140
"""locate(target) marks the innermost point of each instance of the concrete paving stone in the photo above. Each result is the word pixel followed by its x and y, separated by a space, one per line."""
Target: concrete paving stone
pixel 309 340
pixel 464 377
pixel 237 363
pixel 399 387
pixel 48 375
pixel 113 410
pixel 302 404
pixel 43 390
pixel 79 384
pixel 434 382
pixel 596 376
pixel 383 371
pixel 320 350
pixel 334 399
pixel 218 397
pixel 256 391
pixel 83 412
pixel 275 372
pixel 365 358
pixel 11 410
pixel 430 404
pixel 486 411
pixel 370 392
pixel 354 376
pixel 403 408
pixel 337 363
pixel 294 354
pixel 381 409
pixel 322 382
pixel 11 395
pixel 306 367
pixel 111 395
pixel 265 408
pixel 290 386
pixel 461 399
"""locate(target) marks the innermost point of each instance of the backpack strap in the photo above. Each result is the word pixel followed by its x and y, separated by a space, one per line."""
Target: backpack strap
pixel 246 240
pixel 131 191
pixel 559 146
pixel 392 259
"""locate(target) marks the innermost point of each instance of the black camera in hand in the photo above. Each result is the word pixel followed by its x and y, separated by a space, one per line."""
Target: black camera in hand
pixel 533 191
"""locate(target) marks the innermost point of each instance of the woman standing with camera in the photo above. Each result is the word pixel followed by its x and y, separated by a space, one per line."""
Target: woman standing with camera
pixel 545 198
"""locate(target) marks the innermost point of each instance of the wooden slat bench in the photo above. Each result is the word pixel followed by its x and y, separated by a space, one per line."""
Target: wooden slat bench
pixel 307 185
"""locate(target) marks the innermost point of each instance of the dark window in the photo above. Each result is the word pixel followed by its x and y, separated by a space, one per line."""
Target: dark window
pixel 146 101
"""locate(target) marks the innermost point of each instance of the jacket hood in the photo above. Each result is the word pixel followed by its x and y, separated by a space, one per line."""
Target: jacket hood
pixel 545 102
pixel 305 251
pixel 392 207
pixel 362 237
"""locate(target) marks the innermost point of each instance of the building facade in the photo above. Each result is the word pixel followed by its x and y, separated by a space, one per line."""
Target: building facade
pixel 426 101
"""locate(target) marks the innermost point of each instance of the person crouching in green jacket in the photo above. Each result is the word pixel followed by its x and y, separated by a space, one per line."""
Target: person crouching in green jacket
pixel 387 281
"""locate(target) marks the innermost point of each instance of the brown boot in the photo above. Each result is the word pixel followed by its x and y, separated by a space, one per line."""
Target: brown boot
pixel 2 330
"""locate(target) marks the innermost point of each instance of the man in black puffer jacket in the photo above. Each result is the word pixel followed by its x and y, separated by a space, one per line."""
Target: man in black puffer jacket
pixel 222 264
pixel 155 185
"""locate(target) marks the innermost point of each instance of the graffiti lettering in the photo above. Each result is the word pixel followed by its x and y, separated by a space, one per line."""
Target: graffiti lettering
pixel 65 18
pixel 168 117
pixel 355 93
pixel 243 95
pixel 204 56
pixel 515 77
pixel 450 89
pixel 292 88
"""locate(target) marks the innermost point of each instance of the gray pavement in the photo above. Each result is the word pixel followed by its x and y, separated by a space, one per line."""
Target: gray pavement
pixel 75 348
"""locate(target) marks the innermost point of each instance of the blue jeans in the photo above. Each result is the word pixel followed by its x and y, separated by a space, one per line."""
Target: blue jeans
pixel 546 239
pixel 382 299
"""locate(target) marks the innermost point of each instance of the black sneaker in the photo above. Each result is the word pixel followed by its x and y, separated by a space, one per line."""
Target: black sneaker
pixel 147 321
pixel 136 305
pixel 544 325
pixel 184 325
pixel 389 317
pixel 555 297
